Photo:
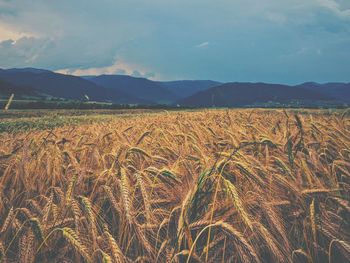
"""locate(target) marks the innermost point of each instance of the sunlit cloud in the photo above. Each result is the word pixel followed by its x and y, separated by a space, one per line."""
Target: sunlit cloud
pixel 118 67
pixel 7 33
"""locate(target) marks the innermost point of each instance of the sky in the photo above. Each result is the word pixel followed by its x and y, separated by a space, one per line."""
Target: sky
pixel 278 41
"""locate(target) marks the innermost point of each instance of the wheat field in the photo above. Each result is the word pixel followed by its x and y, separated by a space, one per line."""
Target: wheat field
pixel 204 186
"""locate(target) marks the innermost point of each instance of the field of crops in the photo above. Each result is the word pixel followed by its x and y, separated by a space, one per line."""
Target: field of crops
pixel 205 186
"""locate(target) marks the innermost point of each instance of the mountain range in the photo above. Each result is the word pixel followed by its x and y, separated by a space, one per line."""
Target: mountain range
pixel 257 94
pixel 34 83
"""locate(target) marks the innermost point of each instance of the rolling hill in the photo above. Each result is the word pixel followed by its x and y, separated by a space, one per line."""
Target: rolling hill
pixel 122 89
pixel 140 88
pixel 337 90
pixel 62 86
pixel 247 94
pixel 186 88
pixel 6 89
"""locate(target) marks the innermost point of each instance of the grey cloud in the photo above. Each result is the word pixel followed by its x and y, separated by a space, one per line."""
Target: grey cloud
pixel 254 40
pixel 24 51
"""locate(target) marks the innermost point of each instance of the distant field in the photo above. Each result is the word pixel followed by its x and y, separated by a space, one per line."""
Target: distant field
pixel 20 120
pixel 244 185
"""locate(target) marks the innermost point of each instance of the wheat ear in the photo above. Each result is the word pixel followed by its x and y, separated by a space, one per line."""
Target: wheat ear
pixel 74 240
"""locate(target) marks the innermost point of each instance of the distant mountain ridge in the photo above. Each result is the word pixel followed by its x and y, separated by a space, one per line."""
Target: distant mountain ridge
pixel 238 94
pixel 31 70
pixel 337 90
pixel 186 88
pixel 139 88
pixel 123 89
pixel 6 89
pixel 61 86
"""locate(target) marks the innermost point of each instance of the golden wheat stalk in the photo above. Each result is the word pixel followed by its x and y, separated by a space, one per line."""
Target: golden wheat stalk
pixel 236 236
pixel 147 133
pixel 116 251
pixel 105 257
pixel 26 248
pixel 112 199
pixel 145 197
pixel 125 194
pixel 233 193
pixel 313 220
pixel 139 151
pixel 70 235
pixel 90 215
pixel 76 213
pixel 344 246
pixel 8 104
pixel 37 229
pixel 70 188
pixel 8 220
pixel 2 252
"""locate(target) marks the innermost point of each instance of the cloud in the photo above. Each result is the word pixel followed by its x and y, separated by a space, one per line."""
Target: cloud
pixel 249 39
pixel 8 34
pixel 25 51
pixel 340 8
pixel 203 45
pixel 118 67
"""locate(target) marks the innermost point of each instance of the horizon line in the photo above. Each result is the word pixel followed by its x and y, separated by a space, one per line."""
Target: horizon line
pixel 180 79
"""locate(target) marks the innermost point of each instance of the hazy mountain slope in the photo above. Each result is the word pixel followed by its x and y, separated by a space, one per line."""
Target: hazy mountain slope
pixel 137 87
pixel 63 86
pixel 339 91
pixel 242 94
pixel 185 88
pixel 6 89
pixel 31 70
pixel 31 82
